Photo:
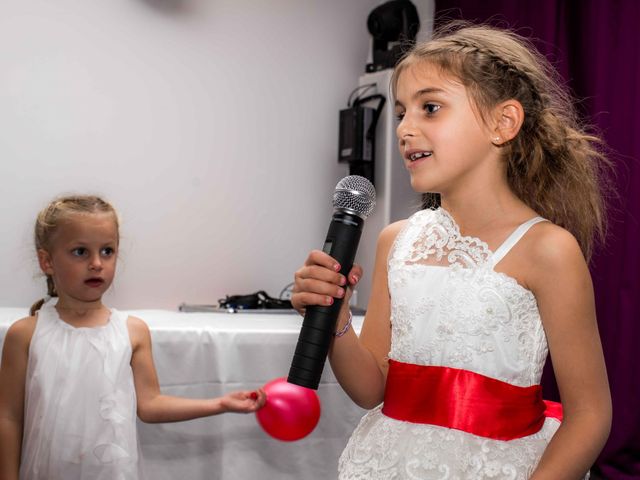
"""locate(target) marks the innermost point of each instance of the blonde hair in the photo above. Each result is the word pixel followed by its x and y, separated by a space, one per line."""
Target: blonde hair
pixel 554 165
pixel 53 215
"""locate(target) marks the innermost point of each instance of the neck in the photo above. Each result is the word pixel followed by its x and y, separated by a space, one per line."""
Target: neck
pixel 480 207
pixel 79 313
pixel 78 307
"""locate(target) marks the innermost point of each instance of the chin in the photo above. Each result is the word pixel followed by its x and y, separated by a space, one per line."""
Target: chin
pixel 421 187
pixel 91 297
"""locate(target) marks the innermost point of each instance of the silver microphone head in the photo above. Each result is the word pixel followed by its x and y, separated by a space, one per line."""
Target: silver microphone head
pixel 355 194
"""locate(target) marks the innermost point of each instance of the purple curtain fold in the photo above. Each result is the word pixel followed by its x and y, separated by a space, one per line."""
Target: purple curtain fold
pixel 595 45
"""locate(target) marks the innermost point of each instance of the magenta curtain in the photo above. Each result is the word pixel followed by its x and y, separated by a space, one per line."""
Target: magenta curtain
pixel 596 47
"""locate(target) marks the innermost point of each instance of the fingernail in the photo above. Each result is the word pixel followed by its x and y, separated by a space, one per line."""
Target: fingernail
pixel 343 280
pixel 336 267
pixel 354 279
pixel 341 292
pixel 329 300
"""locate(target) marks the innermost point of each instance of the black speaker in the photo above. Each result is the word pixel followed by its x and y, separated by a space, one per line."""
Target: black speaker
pixel 394 26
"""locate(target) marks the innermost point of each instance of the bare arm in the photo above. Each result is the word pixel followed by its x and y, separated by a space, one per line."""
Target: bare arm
pixel 154 407
pixel 562 285
pixel 13 372
pixel 359 364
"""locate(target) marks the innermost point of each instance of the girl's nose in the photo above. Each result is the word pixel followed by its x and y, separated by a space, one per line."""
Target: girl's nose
pixel 405 130
pixel 95 263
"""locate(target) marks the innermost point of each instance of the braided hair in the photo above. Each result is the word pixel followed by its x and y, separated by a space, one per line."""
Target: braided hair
pixel 554 164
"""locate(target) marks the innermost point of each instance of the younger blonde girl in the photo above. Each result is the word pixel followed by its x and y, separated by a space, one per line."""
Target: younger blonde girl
pixel 75 373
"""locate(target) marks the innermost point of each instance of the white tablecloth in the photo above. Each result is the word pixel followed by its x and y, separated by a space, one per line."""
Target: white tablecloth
pixel 207 354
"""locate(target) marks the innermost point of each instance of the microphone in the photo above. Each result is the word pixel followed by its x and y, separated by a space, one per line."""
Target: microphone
pixel 353 200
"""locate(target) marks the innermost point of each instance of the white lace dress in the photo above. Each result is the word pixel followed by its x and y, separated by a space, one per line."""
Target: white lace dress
pixel 450 308
pixel 80 402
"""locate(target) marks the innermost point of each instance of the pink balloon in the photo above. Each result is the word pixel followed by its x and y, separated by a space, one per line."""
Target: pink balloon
pixel 291 412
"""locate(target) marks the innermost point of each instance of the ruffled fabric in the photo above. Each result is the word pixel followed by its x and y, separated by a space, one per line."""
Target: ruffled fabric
pixel 80 403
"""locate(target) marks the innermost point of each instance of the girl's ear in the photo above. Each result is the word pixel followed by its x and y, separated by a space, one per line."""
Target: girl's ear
pixel 508 117
pixel 44 260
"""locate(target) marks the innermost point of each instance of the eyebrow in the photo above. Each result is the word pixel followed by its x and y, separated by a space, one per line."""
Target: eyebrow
pixel 422 92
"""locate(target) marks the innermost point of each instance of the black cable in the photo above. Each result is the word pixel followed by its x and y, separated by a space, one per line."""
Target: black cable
pixel 361 87
pixel 284 290
pixel 381 101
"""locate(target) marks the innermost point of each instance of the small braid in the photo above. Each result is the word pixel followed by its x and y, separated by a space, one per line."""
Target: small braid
pixel 507 68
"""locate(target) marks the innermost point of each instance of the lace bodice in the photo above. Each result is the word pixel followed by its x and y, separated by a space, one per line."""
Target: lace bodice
pixel 449 307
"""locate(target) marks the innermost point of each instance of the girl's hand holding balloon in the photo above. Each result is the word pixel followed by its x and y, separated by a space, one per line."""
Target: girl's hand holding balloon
pixel 291 412
pixel 244 401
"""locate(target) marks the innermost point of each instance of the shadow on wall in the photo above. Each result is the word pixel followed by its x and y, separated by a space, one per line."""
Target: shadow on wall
pixel 170 6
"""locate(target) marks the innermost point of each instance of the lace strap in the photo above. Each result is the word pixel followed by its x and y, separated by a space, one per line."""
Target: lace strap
pixel 514 238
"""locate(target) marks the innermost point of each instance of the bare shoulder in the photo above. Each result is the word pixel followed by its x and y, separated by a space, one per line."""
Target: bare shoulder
pixel 138 330
pixel 554 256
pixel 386 238
pixel 390 232
pixel 551 246
pixel 137 325
pixel 21 331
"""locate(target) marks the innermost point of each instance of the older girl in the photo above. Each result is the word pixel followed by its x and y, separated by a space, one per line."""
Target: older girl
pixel 471 293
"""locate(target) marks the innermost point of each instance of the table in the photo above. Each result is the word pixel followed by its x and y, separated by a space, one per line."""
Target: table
pixel 207 354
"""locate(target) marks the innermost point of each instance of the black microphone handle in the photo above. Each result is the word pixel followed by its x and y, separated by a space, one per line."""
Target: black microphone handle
pixel 319 322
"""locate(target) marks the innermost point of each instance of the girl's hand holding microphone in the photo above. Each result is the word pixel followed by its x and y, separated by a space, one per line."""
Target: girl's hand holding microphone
pixel 319 282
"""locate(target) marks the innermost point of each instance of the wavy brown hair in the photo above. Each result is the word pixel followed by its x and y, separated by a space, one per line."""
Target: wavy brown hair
pixel 554 164
pixel 53 215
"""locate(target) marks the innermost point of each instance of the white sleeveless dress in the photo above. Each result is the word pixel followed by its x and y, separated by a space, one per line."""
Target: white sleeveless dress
pixel 450 308
pixel 80 402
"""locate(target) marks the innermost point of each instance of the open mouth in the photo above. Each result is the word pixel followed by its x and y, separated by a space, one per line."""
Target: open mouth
pixel 418 155
pixel 94 282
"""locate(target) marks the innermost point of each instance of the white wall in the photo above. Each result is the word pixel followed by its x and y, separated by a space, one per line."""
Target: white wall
pixel 210 124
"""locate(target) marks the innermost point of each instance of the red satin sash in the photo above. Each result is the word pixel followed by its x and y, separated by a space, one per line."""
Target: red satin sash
pixel 463 400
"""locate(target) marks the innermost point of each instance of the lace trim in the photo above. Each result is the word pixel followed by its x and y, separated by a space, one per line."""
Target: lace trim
pixel 439 238
pixel 382 449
